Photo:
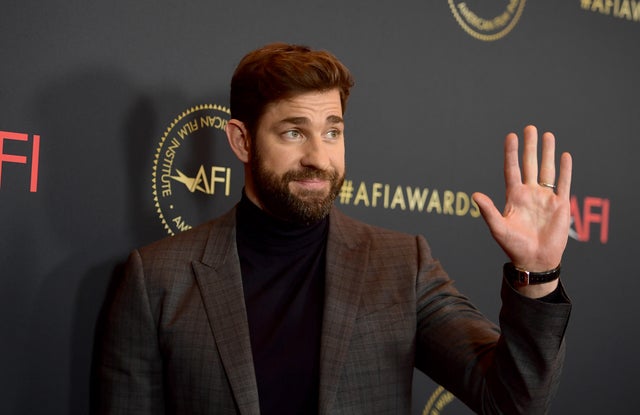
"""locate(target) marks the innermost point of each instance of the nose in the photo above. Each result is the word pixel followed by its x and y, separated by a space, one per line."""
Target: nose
pixel 316 154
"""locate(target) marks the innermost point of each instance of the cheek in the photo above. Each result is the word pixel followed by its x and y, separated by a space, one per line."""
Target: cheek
pixel 337 160
pixel 281 162
pixel 274 158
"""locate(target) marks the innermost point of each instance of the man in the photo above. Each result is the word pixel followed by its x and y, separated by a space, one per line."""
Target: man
pixel 286 306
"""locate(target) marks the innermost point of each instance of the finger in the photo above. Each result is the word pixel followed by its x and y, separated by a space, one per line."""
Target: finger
pixel 490 213
pixel 530 155
pixel 548 164
pixel 511 166
pixel 564 178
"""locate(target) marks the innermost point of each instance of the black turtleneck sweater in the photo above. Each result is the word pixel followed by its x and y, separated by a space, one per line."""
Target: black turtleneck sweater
pixel 283 268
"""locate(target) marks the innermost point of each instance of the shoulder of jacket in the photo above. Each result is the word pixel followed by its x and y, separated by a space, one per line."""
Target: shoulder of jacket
pixel 354 230
pixel 193 239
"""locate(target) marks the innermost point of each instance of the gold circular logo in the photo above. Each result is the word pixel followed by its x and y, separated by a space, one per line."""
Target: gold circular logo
pixel 487 20
pixel 438 400
pixel 189 167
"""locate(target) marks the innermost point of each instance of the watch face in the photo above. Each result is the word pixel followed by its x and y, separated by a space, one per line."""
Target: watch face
pixel 523 278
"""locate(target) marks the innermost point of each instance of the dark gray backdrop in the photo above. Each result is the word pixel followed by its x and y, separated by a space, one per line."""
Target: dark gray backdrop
pixel 101 83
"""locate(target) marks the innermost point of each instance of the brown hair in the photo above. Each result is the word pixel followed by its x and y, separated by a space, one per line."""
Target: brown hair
pixel 279 71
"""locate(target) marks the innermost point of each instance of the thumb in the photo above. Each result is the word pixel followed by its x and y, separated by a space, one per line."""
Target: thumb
pixel 489 212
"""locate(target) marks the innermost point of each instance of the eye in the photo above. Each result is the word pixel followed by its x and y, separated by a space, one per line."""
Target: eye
pixel 333 134
pixel 293 135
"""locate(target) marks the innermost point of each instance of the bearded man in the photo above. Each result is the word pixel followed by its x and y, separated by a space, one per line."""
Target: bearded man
pixel 286 306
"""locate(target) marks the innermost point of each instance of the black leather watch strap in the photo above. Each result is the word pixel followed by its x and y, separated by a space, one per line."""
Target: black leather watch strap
pixel 521 278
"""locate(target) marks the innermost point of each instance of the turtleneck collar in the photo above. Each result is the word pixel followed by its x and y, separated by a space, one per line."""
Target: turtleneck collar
pixel 257 228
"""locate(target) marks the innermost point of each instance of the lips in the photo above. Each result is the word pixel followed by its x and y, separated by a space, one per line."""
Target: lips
pixel 312 184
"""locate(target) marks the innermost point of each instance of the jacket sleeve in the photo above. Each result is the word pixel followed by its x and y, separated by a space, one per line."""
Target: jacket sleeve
pixel 129 364
pixel 513 369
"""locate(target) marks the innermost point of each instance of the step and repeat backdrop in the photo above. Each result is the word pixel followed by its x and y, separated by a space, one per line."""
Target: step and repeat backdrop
pixel 112 120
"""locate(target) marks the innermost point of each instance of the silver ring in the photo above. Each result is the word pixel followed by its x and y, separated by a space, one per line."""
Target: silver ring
pixel 549 185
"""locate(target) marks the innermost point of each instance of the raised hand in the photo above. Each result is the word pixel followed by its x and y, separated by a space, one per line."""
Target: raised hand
pixel 534 226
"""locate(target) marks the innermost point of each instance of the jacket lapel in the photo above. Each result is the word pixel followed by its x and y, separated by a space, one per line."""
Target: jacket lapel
pixel 220 282
pixel 347 258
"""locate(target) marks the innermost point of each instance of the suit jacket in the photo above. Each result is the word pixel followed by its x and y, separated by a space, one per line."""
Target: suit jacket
pixel 177 337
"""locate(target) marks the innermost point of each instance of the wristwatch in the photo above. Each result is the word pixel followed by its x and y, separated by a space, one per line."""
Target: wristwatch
pixel 519 277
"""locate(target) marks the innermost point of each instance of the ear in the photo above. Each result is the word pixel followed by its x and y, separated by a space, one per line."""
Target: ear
pixel 238 138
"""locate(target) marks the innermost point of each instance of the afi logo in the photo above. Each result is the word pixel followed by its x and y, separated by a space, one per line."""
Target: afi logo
pixel 21 159
pixel 595 210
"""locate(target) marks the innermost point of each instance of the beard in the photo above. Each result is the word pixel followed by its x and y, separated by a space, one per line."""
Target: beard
pixel 305 207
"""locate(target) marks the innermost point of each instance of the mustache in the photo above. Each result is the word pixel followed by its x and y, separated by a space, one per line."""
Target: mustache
pixel 310 173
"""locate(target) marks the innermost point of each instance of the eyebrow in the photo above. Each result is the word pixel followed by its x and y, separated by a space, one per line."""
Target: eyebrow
pixel 331 119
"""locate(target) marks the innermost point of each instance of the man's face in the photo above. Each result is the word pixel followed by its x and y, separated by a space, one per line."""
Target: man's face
pixel 297 157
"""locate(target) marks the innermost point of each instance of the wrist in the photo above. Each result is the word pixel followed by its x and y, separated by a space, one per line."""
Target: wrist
pixel 519 277
pixel 539 290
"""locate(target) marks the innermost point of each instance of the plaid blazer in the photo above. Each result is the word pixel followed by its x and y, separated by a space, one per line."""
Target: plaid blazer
pixel 176 338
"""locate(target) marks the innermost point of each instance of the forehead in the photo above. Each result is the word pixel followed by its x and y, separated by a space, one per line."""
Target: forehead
pixel 310 105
